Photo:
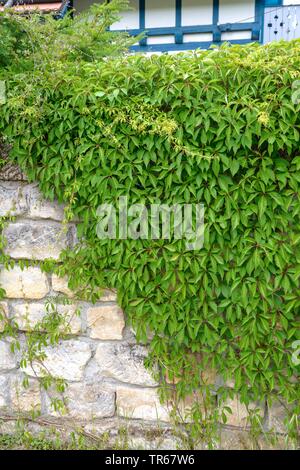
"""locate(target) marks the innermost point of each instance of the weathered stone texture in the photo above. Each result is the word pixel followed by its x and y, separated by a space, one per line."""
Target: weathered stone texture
pixel 105 322
pixel 277 414
pixel 37 240
pixel 103 365
pixel 7 358
pixel 86 402
pixel 29 283
pixel 239 416
pixel 140 403
pixel 60 284
pixel 67 360
pixel 29 315
pixel 26 200
pixel 25 399
pixel 4 391
pixel 4 314
pixel 124 363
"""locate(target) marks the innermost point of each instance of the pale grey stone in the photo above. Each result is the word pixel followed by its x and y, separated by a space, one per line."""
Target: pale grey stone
pixel 277 415
pixel 141 403
pixel 41 208
pixel 11 199
pixel 26 200
pixel 29 315
pixel 85 402
pixel 3 391
pixel 239 415
pixel 7 358
pixel 66 360
pixel 29 283
pixel 25 399
pixel 60 284
pixel 4 314
pixel 124 362
pixel 37 240
pixel 105 322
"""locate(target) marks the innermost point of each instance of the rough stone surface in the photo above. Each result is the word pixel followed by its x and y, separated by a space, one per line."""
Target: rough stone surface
pixel 9 172
pixel 60 284
pixel 4 314
pixel 87 402
pixel 7 358
pixel 108 295
pixel 67 360
pixel 25 399
pixel 29 283
pixel 105 322
pixel 140 403
pixel 36 239
pixel 124 362
pixel 240 414
pixel 277 414
pixel 3 392
pixel 26 200
pixel 29 315
pixel 108 388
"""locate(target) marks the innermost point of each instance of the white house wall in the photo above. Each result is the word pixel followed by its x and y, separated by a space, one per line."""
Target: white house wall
pixel 195 12
pixel 130 19
pixel 236 11
pixel 162 14
pixel 159 13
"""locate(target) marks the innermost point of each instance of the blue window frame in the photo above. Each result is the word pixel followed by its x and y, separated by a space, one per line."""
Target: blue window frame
pixel 216 29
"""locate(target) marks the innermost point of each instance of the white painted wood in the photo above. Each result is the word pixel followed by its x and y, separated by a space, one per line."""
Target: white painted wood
pixel 130 19
pixel 168 39
pixel 230 35
pixel 159 13
pixel 197 37
pixel 195 12
pixel 233 11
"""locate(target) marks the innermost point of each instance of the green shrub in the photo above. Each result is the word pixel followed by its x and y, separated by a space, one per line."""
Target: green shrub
pixel 217 127
pixel 38 41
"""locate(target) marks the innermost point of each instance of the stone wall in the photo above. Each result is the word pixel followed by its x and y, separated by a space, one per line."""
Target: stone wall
pixel 108 385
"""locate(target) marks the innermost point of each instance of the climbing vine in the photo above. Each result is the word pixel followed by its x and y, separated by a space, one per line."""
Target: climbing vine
pixel 217 127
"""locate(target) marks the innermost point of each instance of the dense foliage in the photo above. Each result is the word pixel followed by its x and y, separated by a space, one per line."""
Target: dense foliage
pixel 37 41
pixel 218 127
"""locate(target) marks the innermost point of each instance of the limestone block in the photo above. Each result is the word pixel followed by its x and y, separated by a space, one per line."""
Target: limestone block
pixel 37 240
pixel 86 402
pixel 21 199
pixel 41 208
pixel 60 284
pixel 11 200
pixel 124 362
pixel 277 414
pixel 29 315
pixel 3 392
pixel 66 360
pixel 25 399
pixel 29 283
pixel 4 314
pixel 109 295
pixel 105 322
pixel 141 403
pixel 7 358
pixel 240 414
